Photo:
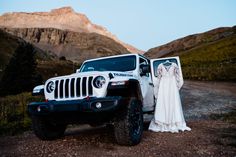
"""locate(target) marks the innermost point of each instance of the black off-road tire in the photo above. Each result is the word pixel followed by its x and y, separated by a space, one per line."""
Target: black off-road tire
pixel 128 127
pixel 45 130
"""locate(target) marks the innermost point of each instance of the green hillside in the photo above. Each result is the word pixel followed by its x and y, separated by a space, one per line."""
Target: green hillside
pixel 211 61
pixel 47 65
pixel 54 68
pixel 207 56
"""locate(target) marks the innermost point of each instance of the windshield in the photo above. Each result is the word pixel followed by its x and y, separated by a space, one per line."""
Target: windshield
pixel 126 63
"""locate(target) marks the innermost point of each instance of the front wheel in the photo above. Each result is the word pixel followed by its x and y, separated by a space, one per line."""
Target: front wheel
pixel 129 125
pixel 46 130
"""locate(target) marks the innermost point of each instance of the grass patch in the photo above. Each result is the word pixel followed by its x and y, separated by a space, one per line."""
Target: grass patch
pixel 228 117
pixel 13 113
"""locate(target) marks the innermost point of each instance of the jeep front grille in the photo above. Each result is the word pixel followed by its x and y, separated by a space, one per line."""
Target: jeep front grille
pixel 73 88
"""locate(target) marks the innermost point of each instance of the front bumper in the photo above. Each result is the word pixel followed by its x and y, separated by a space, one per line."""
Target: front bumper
pixel 107 104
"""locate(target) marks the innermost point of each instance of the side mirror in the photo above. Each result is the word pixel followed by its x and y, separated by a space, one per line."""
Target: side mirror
pixel 144 69
pixel 77 70
pixel 38 90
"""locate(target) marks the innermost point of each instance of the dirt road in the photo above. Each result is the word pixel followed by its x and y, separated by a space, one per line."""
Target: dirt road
pixel 201 102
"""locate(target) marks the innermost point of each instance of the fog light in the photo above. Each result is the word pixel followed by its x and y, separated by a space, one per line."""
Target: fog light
pixel 38 109
pixel 98 105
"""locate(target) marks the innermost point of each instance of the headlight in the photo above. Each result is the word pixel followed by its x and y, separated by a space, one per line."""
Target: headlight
pixel 99 81
pixel 50 86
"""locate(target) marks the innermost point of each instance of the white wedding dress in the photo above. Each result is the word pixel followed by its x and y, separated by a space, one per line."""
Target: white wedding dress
pixel 168 115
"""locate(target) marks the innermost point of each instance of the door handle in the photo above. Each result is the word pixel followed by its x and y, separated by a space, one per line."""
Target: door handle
pixel 151 84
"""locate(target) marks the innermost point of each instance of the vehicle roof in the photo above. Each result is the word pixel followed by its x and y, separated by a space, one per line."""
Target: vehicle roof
pixel 123 55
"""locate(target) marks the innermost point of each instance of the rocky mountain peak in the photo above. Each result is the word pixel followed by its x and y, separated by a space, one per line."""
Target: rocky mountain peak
pixel 63 10
pixel 64 18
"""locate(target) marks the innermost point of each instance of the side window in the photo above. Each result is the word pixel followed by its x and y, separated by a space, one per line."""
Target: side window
pixel 159 61
pixel 143 62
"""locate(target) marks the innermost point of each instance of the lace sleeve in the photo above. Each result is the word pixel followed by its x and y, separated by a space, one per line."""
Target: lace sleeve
pixel 156 84
pixel 178 77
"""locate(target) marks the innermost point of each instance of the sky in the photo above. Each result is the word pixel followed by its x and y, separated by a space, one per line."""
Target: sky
pixel 142 23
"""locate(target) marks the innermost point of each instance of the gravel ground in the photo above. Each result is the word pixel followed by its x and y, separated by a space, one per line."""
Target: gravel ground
pixel 208 137
pixel 202 99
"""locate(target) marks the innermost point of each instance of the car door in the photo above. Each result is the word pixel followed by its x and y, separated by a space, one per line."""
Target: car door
pixel 146 88
pixel 156 62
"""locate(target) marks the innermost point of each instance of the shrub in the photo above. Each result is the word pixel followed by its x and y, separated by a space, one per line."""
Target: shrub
pixel 13 113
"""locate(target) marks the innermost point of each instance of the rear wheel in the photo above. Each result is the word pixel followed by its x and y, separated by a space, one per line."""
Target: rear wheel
pixel 46 130
pixel 129 125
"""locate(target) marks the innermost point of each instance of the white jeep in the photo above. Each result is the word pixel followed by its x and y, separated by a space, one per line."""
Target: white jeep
pixel 115 90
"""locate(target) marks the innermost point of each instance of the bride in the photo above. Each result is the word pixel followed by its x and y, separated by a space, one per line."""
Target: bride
pixel 168 115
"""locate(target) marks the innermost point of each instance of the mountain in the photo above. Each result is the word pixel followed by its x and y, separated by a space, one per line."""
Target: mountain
pixel 65 19
pixel 206 56
pixel 181 45
pixel 75 46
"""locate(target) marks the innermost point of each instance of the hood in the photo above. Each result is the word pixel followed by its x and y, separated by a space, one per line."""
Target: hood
pixel 108 74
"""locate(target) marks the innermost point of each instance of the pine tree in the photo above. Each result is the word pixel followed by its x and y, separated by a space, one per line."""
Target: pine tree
pixel 20 75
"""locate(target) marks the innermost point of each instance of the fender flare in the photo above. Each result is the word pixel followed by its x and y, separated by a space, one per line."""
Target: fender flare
pixel 130 89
